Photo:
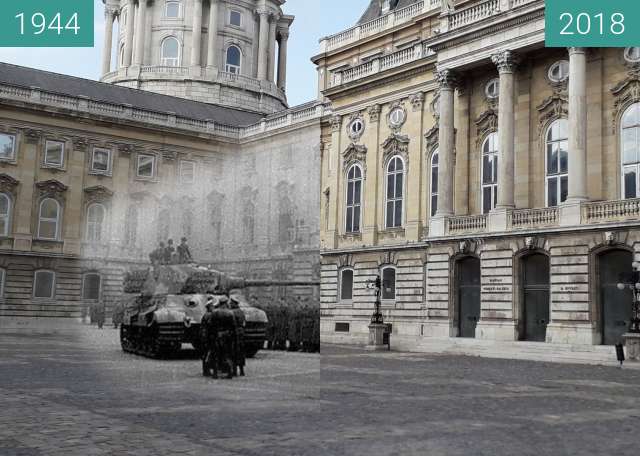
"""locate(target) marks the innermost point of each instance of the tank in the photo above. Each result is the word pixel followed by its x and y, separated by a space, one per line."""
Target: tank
pixel 164 305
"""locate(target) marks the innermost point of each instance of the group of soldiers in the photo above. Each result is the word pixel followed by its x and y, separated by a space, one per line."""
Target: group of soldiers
pixel 222 335
pixel 168 254
pixel 294 324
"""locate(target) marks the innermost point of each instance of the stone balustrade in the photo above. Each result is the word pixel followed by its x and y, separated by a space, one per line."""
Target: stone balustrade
pixel 611 211
pixel 473 14
pixel 120 112
pixel 466 224
pixel 533 218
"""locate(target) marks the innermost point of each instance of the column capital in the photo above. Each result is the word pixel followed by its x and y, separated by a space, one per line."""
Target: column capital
pixel 577 50
pixel 263 12
pixel 284 33
pixel 447 79
pixel 506 61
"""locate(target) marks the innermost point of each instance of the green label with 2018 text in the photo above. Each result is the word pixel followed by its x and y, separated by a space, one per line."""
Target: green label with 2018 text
pixel 592 23
pixel 46 23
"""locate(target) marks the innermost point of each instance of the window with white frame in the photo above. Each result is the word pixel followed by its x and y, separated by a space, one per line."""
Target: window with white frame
pixel 235 18
pixel 44 283
pixel 489 172
pixel 54 154
pixel 346 284
pixel 557 141
pixel 354 199
pixel 630 154
pixel 187 172
pixel 5 214
pixel 394 192
pixel 173 9
pixel 3 276
pixel 492 89
pixel 559 71
pixel 170 52
pixel 49 219
pixel 101 161
pixel 434 182
pixel 7 146
pixel 233 60
pixel 91 283
pixel 146 166
pixel 96 215
pixel 388 283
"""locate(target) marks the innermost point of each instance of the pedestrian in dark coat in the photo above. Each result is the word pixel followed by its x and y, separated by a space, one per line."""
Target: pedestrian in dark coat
pixel 225 323
pixel 208 333
pixel 239 351
pixel 184 254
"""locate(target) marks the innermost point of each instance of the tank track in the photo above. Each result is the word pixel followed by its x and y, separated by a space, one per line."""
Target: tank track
pixel 156 341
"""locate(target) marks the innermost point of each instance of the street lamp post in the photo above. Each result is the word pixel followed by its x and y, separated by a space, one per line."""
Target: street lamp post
pixel 376 284
pixel 632 282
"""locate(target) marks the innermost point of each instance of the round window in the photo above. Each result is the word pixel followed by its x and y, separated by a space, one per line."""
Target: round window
pixel 492 89
pixel 632 54
pixel 397 117
pixel 356 127
pixel 559 71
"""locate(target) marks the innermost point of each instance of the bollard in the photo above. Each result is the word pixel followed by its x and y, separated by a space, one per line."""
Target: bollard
pixel 620 353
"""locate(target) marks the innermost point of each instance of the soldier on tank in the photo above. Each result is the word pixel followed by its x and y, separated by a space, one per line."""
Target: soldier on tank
pixel 169 250
pixel 157 255
pixel 209 342
pixel 225 323
pixel 184 254
pixel 239 360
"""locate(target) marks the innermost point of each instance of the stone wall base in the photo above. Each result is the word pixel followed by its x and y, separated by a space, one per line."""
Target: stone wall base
pixel 497 330
pixel 575 334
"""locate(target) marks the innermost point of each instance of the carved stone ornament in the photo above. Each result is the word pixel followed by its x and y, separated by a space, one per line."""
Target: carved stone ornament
pixel 434 106
pixel 397 116
pixel 396 144
pixel 355 126
pixel 169 155
pixel 345 260
pixel 554 107
pixel 464 246
pixel 32 136
pixel 374 113
pixel 447 79
pixel 626 93
pixel 8 184
pixel 97 193
pixel 353 154
pixel 486 123
pixel 336 123
pixel 417 101
pixel 51 187
pixel 610 237
pixel 80 143
pixel 506 61
pixel 388 257
pixel 530 243
pixel 125 148
pixel 431 137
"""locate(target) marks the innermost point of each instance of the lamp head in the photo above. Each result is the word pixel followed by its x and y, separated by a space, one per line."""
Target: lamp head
pixel 621 286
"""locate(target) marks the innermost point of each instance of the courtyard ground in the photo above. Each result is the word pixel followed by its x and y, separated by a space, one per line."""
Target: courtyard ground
pixel 78 394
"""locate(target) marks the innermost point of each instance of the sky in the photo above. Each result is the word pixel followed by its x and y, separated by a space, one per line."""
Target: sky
pixel 314 19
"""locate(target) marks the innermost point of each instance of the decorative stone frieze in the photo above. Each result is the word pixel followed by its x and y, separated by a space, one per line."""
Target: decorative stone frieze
pixel 8 184
pixel 32 136
pixel 374 113
pixel 51 188
pixel 417 101
pixel 97 193
pixel 486 123
pixel 395 144
pixel 80 143
pixel 354 154
pixel 169 155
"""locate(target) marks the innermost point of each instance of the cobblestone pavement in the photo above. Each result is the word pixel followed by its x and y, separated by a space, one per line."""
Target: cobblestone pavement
pixel 81 395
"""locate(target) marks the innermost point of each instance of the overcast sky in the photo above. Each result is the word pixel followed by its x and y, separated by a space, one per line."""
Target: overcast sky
pixel 314 19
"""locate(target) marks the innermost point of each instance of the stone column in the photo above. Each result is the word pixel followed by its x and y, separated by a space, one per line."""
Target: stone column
pixel 446 144
pixel 128 40
pixel 141 33
pixel 109 17
pixel 196 37
pixel 272 49
pixel 282 60
pixel 212 49
pixel 577 125
pixel 506 62
pixel 263 45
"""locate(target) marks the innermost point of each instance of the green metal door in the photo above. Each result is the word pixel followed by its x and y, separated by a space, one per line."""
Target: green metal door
pixel 535 280
pixel 616 305
pixel 468 278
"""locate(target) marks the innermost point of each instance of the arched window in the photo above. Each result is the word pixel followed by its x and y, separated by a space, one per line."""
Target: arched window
pixel 173 9
pixel 96 214
pixel 44 284
pixel 388 283
pixel 91 286
pixel 5 214
pixel 631 151
pixel 233 60
pixel 395 192
pixel 434 182
pixel 489 172
pixel 557 141
pixel 354 199
pixel 49 219
pixel 170 52
pixel 346 284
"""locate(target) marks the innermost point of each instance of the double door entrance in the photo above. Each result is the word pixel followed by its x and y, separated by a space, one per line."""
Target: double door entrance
pixel 535 297
pixel 615 304
pixel 468 293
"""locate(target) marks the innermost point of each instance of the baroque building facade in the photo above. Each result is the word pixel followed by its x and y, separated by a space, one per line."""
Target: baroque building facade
pixel 94 175
pixel 492 183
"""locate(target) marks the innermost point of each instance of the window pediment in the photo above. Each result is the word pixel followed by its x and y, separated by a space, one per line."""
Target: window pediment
pixel 626 93
pixel 97 193
pixel 486 123
pixel 51 188
pixel 8 184
pixel 553 107
pixel 355 153
pixel 396 144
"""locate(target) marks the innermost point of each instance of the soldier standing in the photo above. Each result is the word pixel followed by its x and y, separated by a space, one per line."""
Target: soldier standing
pixel 168 252
pixel 184 254
pixel 239 353
pixel 157 256
pixel 208 339
pixel 225 323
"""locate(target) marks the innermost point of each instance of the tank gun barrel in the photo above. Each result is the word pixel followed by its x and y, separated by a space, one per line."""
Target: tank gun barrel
pixel 280 283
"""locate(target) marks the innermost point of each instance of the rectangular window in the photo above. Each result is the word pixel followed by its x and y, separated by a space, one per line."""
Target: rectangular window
pixel 7 146
pixel 146 166
pixel 235 18
pixel 101 161
pixel 389 283
pixel 91 287
pixel 44 284
pixel 630 182
pixel 187 172
pixel 54 154
pixel 346 285
pixel 342 327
